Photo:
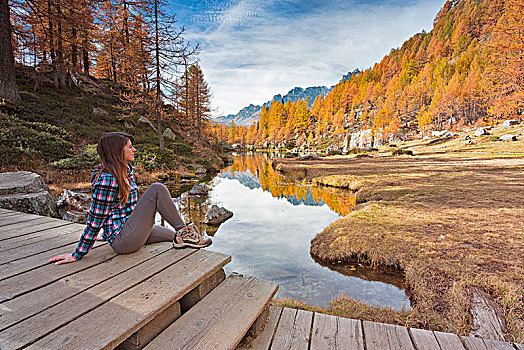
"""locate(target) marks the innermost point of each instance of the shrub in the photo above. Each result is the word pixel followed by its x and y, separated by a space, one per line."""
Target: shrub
pixel 35 140
pixel 86 159
pixel 152 158
pixel 399 151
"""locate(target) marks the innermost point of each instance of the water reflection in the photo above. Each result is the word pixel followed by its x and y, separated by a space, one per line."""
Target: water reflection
pixel 269 235
pixel 256 170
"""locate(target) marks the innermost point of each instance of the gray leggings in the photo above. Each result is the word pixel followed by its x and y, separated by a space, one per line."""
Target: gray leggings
pixel 140 227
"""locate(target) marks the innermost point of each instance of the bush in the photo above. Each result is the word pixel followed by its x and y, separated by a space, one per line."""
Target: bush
pixel 86 159
pixel 35 140
pixel 399 151
pixel 152 158
pixel 179 148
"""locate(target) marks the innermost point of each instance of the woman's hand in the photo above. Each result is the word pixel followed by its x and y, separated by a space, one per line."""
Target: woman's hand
pixel 63 259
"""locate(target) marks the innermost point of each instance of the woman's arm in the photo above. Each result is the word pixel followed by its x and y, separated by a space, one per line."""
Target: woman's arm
pixel 104 196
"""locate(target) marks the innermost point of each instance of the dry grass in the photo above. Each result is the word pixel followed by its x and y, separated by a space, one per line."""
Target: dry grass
pixel 350 308
pixel 449 221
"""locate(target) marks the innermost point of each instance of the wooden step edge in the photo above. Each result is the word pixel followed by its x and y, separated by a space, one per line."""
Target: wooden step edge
pixel 262 331
pixel 222 318
pixel 148 332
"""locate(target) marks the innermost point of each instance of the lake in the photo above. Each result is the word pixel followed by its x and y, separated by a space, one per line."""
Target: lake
pixel 269 235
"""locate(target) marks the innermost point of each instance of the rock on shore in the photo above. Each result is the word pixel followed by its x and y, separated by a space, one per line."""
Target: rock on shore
pixel 26 192
pixel 217 215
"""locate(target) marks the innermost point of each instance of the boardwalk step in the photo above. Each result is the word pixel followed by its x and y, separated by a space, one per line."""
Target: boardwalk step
pixel 221 319
pixel 135 307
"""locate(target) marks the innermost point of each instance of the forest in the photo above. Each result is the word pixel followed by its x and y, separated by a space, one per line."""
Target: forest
pixel 133 47
pixel 467 71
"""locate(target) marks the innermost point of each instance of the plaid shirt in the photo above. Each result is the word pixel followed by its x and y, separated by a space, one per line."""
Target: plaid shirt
pixel 106 212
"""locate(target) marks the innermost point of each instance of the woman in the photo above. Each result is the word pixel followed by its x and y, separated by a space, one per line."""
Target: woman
pixel 128 225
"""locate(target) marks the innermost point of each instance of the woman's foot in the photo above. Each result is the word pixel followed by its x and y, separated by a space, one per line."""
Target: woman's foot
pixel 190 236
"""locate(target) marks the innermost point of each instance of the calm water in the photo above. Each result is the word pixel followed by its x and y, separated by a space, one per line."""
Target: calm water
pixel 270 232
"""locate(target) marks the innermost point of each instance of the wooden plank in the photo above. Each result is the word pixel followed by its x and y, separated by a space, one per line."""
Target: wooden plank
pixel 448 341
pixel 18 219
pixel 28 263
pixel 59 240
pixel 31 329
pixel 293 330
pixel 39 237
pixel 28 227
pixel 263 340
pixel 382 336
pixel 472 343
pixel 331 332
pixel 221 319
pixel 18 309
pixel 23 283
pixel 486 319
pixel 423 339
pixel 492 344
pixel 8 214
pixel 135 307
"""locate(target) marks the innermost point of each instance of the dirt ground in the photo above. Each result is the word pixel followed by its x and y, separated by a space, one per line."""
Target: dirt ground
pixel 450 217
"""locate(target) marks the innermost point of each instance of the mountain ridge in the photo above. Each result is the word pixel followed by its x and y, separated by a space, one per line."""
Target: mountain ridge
pixel 250 114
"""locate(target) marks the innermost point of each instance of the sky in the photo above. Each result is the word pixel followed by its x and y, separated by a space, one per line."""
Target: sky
pixel 251 50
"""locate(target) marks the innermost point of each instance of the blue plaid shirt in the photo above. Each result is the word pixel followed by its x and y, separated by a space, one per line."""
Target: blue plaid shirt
pixel 106 212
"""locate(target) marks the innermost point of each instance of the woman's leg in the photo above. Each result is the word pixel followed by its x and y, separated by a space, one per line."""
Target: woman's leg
pixel 139 227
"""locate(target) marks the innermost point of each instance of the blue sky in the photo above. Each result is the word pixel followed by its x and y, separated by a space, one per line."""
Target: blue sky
pixel 254 49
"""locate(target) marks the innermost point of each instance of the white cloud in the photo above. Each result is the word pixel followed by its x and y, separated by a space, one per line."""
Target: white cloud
pixel 252 55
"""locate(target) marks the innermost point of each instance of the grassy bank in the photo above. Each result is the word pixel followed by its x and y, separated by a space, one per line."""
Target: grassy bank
pixel 448 220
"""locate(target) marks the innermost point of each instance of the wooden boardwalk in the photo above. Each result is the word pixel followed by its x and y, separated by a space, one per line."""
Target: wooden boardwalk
pixel 298 329
pixel 162 298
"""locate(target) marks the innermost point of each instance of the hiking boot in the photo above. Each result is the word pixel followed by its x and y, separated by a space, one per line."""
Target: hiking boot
pixel 190 236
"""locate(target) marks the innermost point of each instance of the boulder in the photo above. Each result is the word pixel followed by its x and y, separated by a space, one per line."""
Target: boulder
pixel 200 171
pixel 308 157
pixel 73 206
pixel 76 216
pixel 481 131
pixel 146 121
pixel 199 190
pixel 443 134
pixel 448 134
pixel 26 192
pixel 509 137
pixel 217 215
pixel 99 111
pixel 509 123
pixel 169 134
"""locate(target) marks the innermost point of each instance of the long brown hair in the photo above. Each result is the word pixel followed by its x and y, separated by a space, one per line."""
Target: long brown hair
pixel 111 151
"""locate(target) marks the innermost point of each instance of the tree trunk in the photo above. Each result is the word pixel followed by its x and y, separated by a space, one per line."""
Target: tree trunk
pixel 8 87
pixel 158 92
pixel 74 49
pixel 85 54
